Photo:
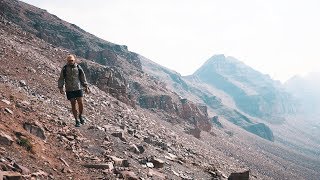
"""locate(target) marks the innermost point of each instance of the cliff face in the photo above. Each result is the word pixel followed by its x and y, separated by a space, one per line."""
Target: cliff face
pixel 196 115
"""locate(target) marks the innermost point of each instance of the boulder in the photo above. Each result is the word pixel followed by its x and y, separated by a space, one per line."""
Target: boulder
pixel 261 130
pixel 158 163
pixel 120 135
pixel 137 149
pixel 119 162
pixel 8 111
pixel 108 166
pixel 10 175
pixel 21 169
pixel 35 129
pixel 239 176
pixel 5 139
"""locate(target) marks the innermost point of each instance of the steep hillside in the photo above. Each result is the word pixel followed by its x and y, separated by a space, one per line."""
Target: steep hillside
pixel 169 138
pixel 61 33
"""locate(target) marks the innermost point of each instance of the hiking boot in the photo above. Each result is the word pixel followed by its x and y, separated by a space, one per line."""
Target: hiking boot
pixel 82 120
pixel 77 123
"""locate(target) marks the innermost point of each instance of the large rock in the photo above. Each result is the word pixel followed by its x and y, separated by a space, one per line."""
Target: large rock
pixel 158 163
pixel 5 139
pixel 120 135
pixel 215 120
pixel 239 176
pixel 261 130
pixel 163 102
pixel 119 162
pixel 195 132
pixel 196 113
pixel 35 129
pixel 108 166
pixel 10 175
pixel 108 79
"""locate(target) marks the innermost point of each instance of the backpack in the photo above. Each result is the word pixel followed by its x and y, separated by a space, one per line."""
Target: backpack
pixel 65 71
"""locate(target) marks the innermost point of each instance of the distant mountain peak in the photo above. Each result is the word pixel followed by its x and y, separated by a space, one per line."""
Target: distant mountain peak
pixel 221 63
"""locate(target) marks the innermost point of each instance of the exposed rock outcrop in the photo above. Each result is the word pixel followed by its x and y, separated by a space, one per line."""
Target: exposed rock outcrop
pixel 261 130
pixel 196 114
pixel 193 113
pixel 108 79
pixel 163 102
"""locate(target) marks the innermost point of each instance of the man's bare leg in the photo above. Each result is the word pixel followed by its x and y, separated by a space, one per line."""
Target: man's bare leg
pixel 74 110
pixel 80 105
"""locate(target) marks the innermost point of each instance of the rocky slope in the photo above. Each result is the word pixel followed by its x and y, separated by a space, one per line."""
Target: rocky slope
pixel 167 139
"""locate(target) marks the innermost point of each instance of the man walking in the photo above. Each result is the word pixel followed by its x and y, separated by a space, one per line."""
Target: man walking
pixel 73 78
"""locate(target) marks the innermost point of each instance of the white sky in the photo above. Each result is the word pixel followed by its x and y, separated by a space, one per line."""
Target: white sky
pixel 276 37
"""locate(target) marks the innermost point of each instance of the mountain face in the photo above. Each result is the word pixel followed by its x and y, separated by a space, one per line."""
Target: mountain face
pixel 137 128
pixel 253 93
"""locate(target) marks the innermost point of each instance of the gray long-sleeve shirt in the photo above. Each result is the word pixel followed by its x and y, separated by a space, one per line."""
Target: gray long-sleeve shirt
pixel 72 80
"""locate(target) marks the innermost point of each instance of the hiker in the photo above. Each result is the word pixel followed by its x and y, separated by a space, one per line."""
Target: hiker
pixel 74 79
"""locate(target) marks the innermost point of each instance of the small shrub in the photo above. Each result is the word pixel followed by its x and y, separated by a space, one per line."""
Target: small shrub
pixel 25 143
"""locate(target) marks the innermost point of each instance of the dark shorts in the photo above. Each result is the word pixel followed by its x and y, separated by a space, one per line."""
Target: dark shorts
pixel 74 94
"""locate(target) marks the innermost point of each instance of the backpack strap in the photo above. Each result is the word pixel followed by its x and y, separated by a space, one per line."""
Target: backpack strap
pixel 80 70
pixel 64 70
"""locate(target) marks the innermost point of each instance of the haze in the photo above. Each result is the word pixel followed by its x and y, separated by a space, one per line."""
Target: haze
pixel 279 38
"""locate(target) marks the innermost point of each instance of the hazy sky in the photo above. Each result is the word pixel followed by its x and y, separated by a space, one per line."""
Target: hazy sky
pixel 276 37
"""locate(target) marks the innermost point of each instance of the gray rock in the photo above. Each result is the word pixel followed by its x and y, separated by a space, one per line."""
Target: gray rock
pixel 35 129
pixel 6 101
pixel 158 163
pixel 239 176
pixel 8 110
pixel 137 149
pixel 21 169
pixel 22 83
pixel 119 162
pixel 5 139
pixel 150 164
pixel 108 166
pixel 10 175
pixel 120 135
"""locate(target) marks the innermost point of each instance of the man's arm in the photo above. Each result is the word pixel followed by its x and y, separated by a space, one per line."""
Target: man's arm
pixel 83 80
pixel 61 82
